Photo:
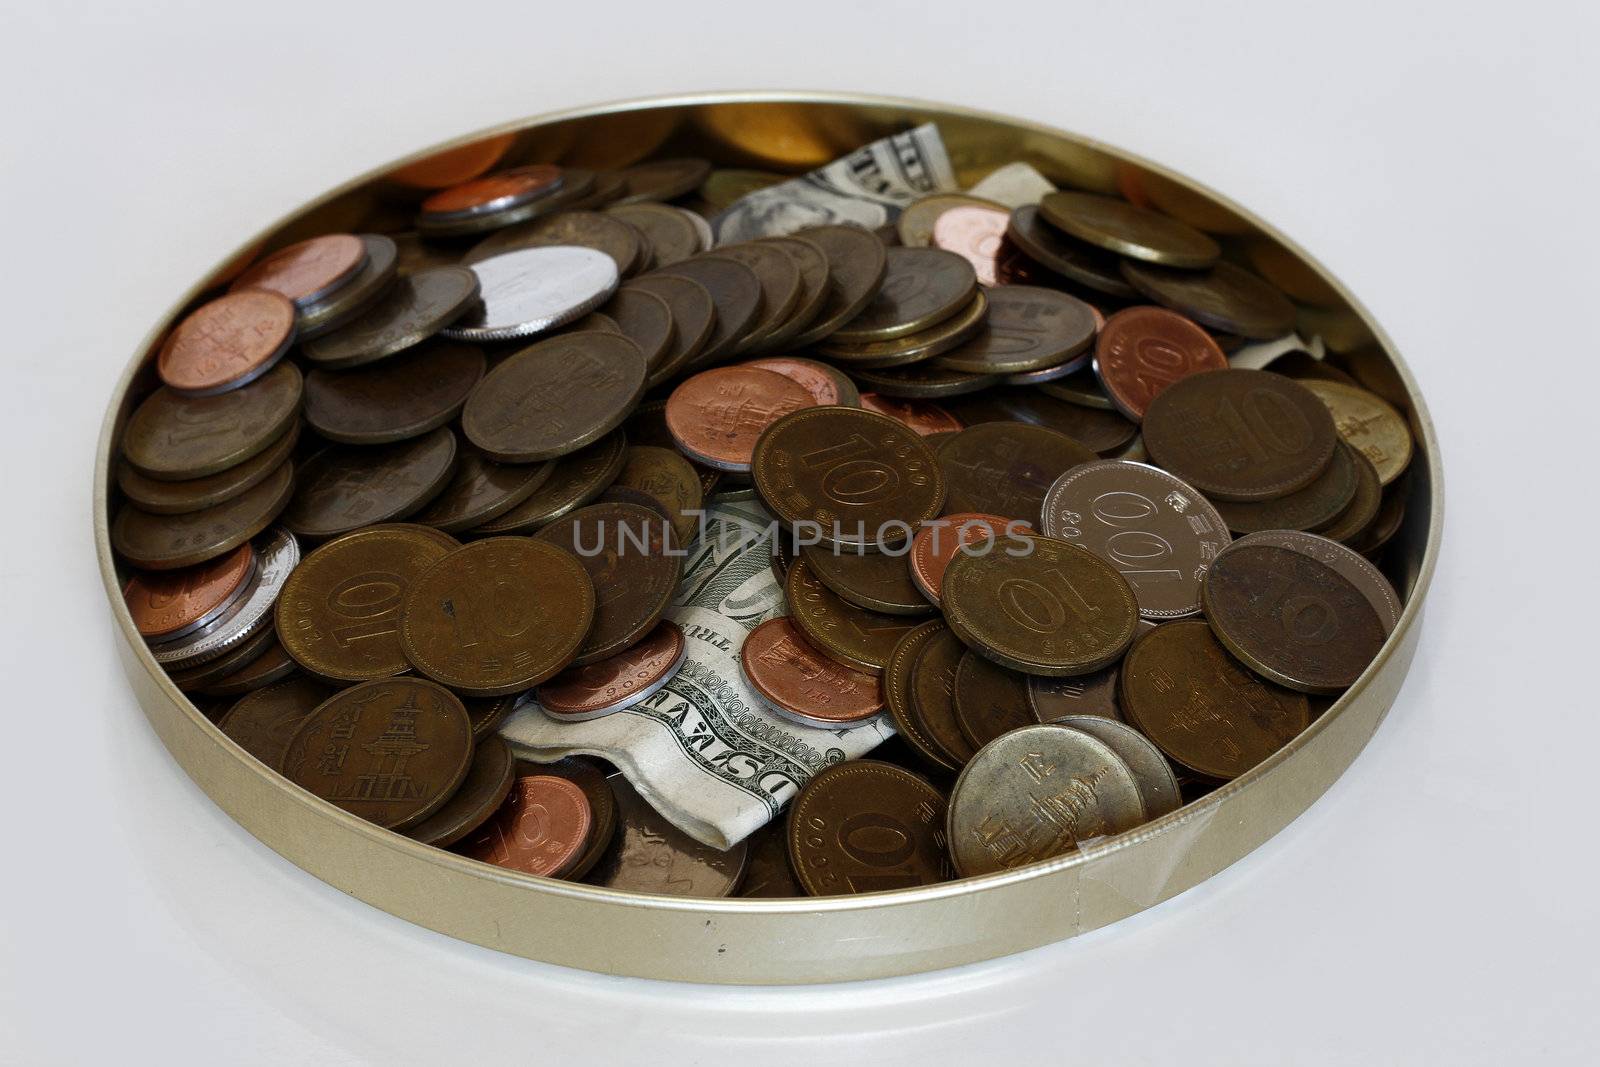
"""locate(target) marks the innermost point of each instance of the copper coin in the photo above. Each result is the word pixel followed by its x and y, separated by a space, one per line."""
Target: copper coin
pixel 857 263
pixel 862 826
pixel 898 694
pixel 735 291
pixel 172 438
pixel 694 316
pixel 663 179
pixel 262 723
pixel 650 855
pixel 1241 434
pixel 769 873
pixel 1082 263
pixel 1005 468
pixel 838 629
pixel 717 415
pixel 351 298
pixel 989 699
pixel 919 415
pixel 923 286
pixel 974 234
pixel 877 581
pixel 1027 328
pixel 170 542
pixel 482 490
pixel 1223 297
pixel 577 480
pixel 617 682
pixel 922 381
pixel 801 684
pixel 827 385
pixel 589 775
pixel 390 751
pixel 541 828
pixel 273 665
pixel 781 290
pixel 1103 432
pixel 196 494
pixel 400 398
pixel 671 237
pixel 229 342
pixel 1349 564
pixel 494 192
pixel 479 797
pixel 171 603
pixel 938 541
pixel 1120 227
pixel 1363 506
pixel 1308 508
pixel 1081 388
pixel 308 271
pixel 486 713
pixel 346 487
pixel 670 481
pixel 410 311
pixel 1141 351
pixel 933 696
pixel 585 229
pixel 1087 694
pixel 453 165
pixel 1185 693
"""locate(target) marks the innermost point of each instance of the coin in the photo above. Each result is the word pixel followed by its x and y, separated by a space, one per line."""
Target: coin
pixel 877 581
pixel 779 276
pixel 897 693
pixel 724 185
pixel 1156 531
pixel 989 700
pixel 493 193
pixel 669 478
pixel 802 685
pixel 938 541
pixel 404 397
pixel 1082 388
pixel 716 416
pixel 342 306
pixel 663 179
pixel 921 287
pixel 1027 328
pixel 841 631
pixel 554 397
pixel 391 751
pixel 1350 565
pixel 195 494
pixel 617 682
pixel 1087 694
pixel 579 229
pixel 576 188
pixel 857 263
pixel 862 826
pixel 497 616
pixel 1103 432
pixel 650 855
pixel 453 165
pixel 1391 514
pixel 1291 618
pixel 481 490
pixel 943 336
pixel 1223 297
pixel 645 319
pixel 974 234
pixel 482 792
pixel 1199 706
pixel 1291 274
pixel 827 385
pixel 204 675
pixel 1364 502
pixel 1310 508
pixel 1085 264
pixel 262 723
pixel 1058 610
pixel 814 291
pixel 226 343
pixel 625 551
pixel 277 554
pixel 914 227
pixel 1036 793
pixel 769 873
pixel 735 291
pixel 346 487
pixel 532 290
pixel 308 271
pixel 588 776
pixel 933 696
pixel 273 665
pixel 1369 424
pixel 577 479
pixel 694 317
pixel 1120 227
pixel 413 309
pixel 1158 786
pixel 170 542
pixel 670 235
pixel 485 713
pixel 172 438
pixel 339 613
pixel 1005 468
pixel 919 416
pixel 541 829
pixel 1241 434
pixel 1142 351
pixel 169 604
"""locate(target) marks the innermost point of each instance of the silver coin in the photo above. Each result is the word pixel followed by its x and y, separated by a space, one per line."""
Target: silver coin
pixel 278 553
pixel 1347 563
pixel 377 272
pixel 626 700
pixel 701 227
pixel 1158 786
pixel 1158 531
pixel 204 624
pixel 1034 793
pixel 531 290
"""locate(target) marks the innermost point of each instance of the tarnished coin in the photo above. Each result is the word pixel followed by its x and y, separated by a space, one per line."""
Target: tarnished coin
pixel 273 665
pixel 170 542
pixel 919 416
pixel 938 541
pixel 645 319
pixel 1085 264
pixel 898 693
pixel 650 855
pixel 482 792
pixel 801 684
pixel 1120 227
pixel 1082 388
pixel 922 286
pixel 841 631
pixel 195 494
pixel 915 225
pixel 227 343
pixel 857 263
pixel 1381 530
pixel 694 317
pixel 1364 502
pixel 877 581
pixel 531 290
pixel 1241 434
pixel 1158 786
pixel 493 193
pixel 735 291
pixel 663 179
pixel 403 397
pixel 413 309
pixel 990 700
pixel 346 487
pixel 574 187
pixel 308 271
pixel 497 616
pixel 717 416
pixel 862 826
pixel 671 480
pixel 827 385
pixel 1223 297
pixel 1369 424
pixel 781 290
pixel 1156 531
pixel 1027 328
pixel 481 490
pixel 1309 508
pixel 1005 468
pixel 339 613
pixel 1180 687
pixel 1103 432
pixel 933 695
pixel 277 554
pixel 262 723
pixel 1087 694
pixel 1142 351
pixel 1350 565
pixel 974 234
pixel 171 437
pixel 1291 617
pixel 168 604
pixel 1057 610
pixel 1036 793
pixel 342 306
pixel 588 776
pixel 391 751
pixel 943 336
pixel 769 873
pixel 577 229
pixel 576 480
pixel 617 682
pixel 856 477
pixel 814 291
pixel 670 235
pixel 554 397
pixel 204 675
pixel 541 829
pixel 486 713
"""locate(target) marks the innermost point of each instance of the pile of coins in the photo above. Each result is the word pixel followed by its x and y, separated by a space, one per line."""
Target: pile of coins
pixel 1006 447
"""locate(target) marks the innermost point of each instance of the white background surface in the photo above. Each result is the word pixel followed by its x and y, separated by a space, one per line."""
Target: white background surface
pixel 1438 903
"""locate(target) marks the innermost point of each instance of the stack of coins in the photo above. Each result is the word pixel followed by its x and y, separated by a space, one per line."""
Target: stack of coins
pixel 1007 449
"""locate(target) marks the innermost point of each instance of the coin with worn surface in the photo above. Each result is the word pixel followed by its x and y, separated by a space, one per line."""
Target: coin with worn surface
pixel 974 234
pixel 839 630
pixel 769 873
pixel 877 581
pixel 989 699
pixel 1005 468
pixel 857 263
pixel 277 554
pixel 195 494
pixel 650 855
pixel 172 438
pixel 1142 351
pixel 541 829
pixel 827 385
pixel 801 684
pixel 1087 694
pixel 391 751
pixel 814 291
pixel 339 613
pixel 694 316
pixel 1350 565
pixel 171 542
pixel 262 723
pixel 169 604
pixel 346 487
pixel 1082 263
pixel 1364 502
pixel 1241 434
pixel 915 226
pixel 497 616
pixel 670 235
pixel 1027 328
pixel 227 343
pixel 645 319
pixel 1158 786
pixel 862 826
pixel 374 278
pixel 576 480
pixel 735 291
pixel 1309 508
pixel 616 682
pixel 921 287
pixel 480 795
pixel 1102 432
pixel 671 480
pixel 482 490
pixel 781 290
pixel 308 271
pixel 1381 530
pixel 1369 424
pixel 531 290
pixel 933 695
pixel 554 397
pixel 717 416
pixel 577 229
pixel 588 775
pixel 1223 297
pixel 921 381
pixel 401 398
pixel 1120 227
pixel 272 665
pixel 1082 388
pixel 626 552
pixel 1183 690
pixel 919 416
pixel 663 179
pixel 494 193
pixel 943 336
pixel 413 309
pixel 485 713
pixel 1156 531
pixel 938 541
pixel 204 675
pixel 1038 792
pixel 898 693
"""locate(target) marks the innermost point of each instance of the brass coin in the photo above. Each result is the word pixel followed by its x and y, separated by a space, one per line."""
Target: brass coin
pixel 859 477
pixel 391 751
pixel 877 581
pixel 1027 328
pixel 951 333
pixel 1005 468
pixel 1082 388
pixel 168 542
pixel 1347 563
pixel 1058 610
pixel 173 438
pixel 227 342
pixel 914 227
pixel 1369 424
pixel 1223 297
pixel 644 318
pixel 781 290
pixel 1291 618
pixel 1199 706
pixel 669 478
pixel 584 229
pixel 587 775
pixel 814 291
pixel 485 713
pixel 1381 530
pixel 554 397
pixel 413 309
pixel 802 685
pixel 1291 274
pixel 1120 227
pixel 195 494
pixel 933 696
pixel 262 723
pixel 576 480
pixel 769 873
pixel 663 179
pixel 1103 432
pixel 272 665
pixel 339 613
pixel 1087 694
pixel 827 385
pixel 694 317
pixel 497 616
pixel 863 826
pixel 1310 508
pixel 404 397
pixel 1141 351
pixel 735 292
pixel 922 381
pixel 1158 786
pixel 717 416
pixel 479 796
pixel 650 855
pixel 1240 434
pixel 898 695
pixel 857 263
pixel 482 490
pixel 921 287
pixel 842 632
pixel 1085 264
pixel 990 700
pixel 1364 502
pixel 346 487
pixel 671 236
pixel 369 284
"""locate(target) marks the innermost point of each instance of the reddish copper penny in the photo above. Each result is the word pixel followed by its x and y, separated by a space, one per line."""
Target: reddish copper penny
pixel 812 377
pixel 1142 350
pixel 717 415
pixel 919 415
pixel 454 165
pixel 937 543
pixel 167 603
pixel 227 343
pixel 802 684
pixel 494 192
pixel 308 271
pixel 617 682
pixel 974 234
pixel 540 829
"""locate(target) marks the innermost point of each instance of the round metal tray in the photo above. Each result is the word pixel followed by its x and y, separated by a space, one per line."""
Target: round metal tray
pixel 800 940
